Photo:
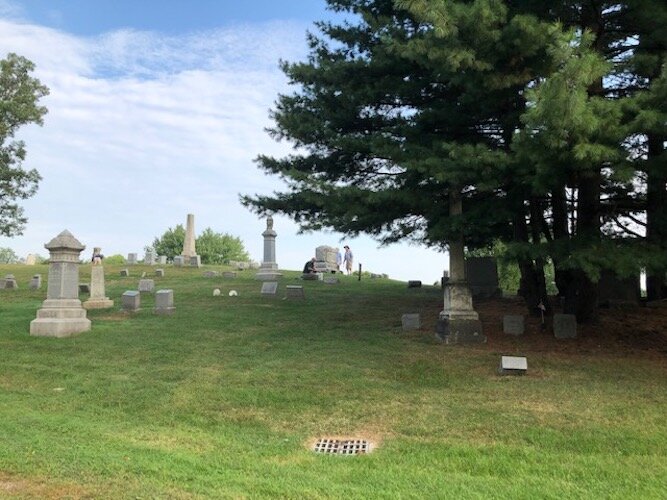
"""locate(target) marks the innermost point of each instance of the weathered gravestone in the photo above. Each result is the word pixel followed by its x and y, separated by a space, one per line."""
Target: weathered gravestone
pixel 513 365
pixel 210 274
pixel 36 282
pixel 325 259
pixel 146 285
pixel 268 270
pixel 414 284
pixel 161 260
pixel 228 274
pixel 269 288
pixel 164 302
pixel 61 314
pixel 189 249
pixel 565 326
pixel 30 259
pixel 482 276
pixel 159 273
pixel 131 301
pixel 513 324
pixel 132 258
pixel 310 276
pixel 84 288
pixel 411 321
pixel 294 292
pixel 10 282
pixel 124 273
pixel 98 298
pixel 195 261
pixel 331 280
pixel 149 257
pixel 179 260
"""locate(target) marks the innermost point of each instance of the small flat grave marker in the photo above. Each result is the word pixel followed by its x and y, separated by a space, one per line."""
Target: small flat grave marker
pixel 414 284
pixel 513 324
pixel 210 274
pixel 269 288
pixel 331 280
pixel 513 365
pixel 229 274
pixel 295 292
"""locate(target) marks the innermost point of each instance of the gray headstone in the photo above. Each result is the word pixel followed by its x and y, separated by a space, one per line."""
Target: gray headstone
pixel 131 300
pixel 195 261
pixel 331 280
pixel 146 285
pixel 179 260
pixel 411 321
pixel 229 274
pixel 210 274
pixel 269 288
pixel 36 282
pixel 84 288
pixel 294 292
pixel 565 326
pixel 161 260
pixel 482 276
pixel 131 258
pixel 124 272
pixel 164 302
pixel 10 283
pixel 159 273
pixel 513 365
pixel 414 284
pixel 513 324
pixel 309 276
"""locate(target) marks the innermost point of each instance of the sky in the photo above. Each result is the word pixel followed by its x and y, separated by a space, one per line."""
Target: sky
pixel 157 109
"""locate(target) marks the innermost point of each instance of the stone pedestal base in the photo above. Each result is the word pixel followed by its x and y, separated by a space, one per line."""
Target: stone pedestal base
pixel 104 303
pixel 460 331
pixel 60 318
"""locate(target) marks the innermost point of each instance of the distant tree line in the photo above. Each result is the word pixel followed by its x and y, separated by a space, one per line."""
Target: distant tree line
pixel 549 119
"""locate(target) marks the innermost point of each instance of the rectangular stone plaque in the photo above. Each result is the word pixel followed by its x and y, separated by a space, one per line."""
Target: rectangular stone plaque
pixel 294 292
pixel 411 321
pixel 513 324
pixel 164 302
pixel 146 285
pixel 210 274
pixel 229 274
pixel 330 280
pixel 131 300
pixel 269 288
pixel 513 365
pixel 565 326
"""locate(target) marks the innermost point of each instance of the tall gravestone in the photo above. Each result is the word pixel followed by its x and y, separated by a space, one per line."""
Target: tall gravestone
pixel 30 260
pixel 98 298
pixel 61 314
pixel 325 259
pixel 268 270
pixel 189 250
pixel 149 257
pixel 459 322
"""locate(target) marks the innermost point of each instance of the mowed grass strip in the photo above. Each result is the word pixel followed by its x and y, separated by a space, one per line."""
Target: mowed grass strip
pixel 225 398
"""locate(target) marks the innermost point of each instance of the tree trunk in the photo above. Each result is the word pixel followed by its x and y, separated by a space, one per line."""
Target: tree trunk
pixel 656 215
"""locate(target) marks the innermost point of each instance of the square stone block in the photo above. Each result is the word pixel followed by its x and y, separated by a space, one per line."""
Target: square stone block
pixel 131 301
pixel 195 261
pixel 179 260
pixel 411 321
pixel 565 326
pixel 269 288
pixel 513 324
pixel 164 302
pixel 36 282
pixel 11 284
pixel 460 331
pixel 513 365
pixel 124 273
pixel 159 273
pixel 309 276
pixel 146 285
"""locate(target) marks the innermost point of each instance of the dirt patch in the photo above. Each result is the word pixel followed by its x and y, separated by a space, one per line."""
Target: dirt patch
pixel 637 331
pixel 14 487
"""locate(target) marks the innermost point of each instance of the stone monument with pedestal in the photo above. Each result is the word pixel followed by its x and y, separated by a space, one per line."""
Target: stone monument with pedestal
pixel 268 270
pixel 61 314
pixel 459 323
pixel 98 298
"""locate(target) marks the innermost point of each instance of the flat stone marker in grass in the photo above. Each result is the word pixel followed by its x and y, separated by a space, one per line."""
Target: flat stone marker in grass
pixel 295 292
pixel 124 273
pixel 513 365
pixel 164 302
pixel 411 321
pixel 269 288
pixel 159 273
pixel 414 284
pixel 210 274
pixel 131 301
pixel 565 326
pixel 331 280
pixel 309 277
pixel 146 285
pixel 513 324
pixel 229 274
pixel 36 282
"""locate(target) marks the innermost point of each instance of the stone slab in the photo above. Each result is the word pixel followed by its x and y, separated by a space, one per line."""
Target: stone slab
pixel 36 282
pixel 164 302
pixel 179 260
pixel 460 331
pixel 131 301
pixel 411 321
pixel 513 365
pixel 330 280
pixel 147 285
pixel 124 273
pixel 269 288
pixel 195 261
pixel 295 292
pixel 309 276
pixel 132 258
pixel 414 284
pixel 103 303
pixel 229 274
pixel 565 326
pixel 513 324
pixel 210 274
pixel 10 284
pixel 159 273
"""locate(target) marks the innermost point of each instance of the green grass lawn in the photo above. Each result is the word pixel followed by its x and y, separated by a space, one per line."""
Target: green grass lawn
pixel 224 399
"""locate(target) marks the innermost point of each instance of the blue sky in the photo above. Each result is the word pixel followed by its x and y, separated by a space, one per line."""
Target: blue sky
pixel 158 109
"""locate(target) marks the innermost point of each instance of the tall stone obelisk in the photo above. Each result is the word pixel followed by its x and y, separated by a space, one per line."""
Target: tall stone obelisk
pixel 61 314
pixel 459 322
pixel 98 298
pixel 189 252
pixel 268 270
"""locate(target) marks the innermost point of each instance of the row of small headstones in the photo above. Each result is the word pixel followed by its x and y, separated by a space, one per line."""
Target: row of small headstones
pixel 10 282
pixel 164 300
pixel 564 325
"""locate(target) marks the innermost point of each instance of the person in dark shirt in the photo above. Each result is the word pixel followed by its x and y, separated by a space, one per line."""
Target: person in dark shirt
pixel 309 267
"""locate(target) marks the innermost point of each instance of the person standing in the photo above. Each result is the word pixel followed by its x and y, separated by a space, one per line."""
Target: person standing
pixel 348 259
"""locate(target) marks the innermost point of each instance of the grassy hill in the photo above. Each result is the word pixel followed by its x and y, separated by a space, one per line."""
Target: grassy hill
pixel 226 397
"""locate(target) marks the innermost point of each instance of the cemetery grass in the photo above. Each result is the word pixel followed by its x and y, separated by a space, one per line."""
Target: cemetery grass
pixel 226 398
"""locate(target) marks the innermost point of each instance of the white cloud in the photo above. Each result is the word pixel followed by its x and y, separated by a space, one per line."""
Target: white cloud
pixel 144 128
